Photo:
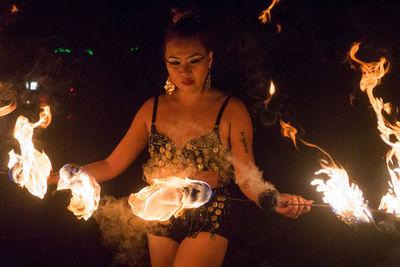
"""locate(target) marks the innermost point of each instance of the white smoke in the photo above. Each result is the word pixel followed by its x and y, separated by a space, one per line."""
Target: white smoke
pixel 124 231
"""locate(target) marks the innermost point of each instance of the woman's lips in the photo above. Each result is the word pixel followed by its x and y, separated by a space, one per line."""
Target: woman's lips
pixel 187 82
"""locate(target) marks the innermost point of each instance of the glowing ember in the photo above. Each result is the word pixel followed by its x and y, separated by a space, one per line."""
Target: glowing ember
pixel 271 93
pixel 372 73
pixel 14 9
pixel 11 106
pixel 266 14
pixel 279 27
pixel 345 200
pixel 85 190
pixel 168 197
pixel 32 168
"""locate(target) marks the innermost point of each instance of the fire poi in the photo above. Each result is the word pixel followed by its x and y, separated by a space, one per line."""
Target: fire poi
pixel 32 168
pixel 84 188
pixel 168 197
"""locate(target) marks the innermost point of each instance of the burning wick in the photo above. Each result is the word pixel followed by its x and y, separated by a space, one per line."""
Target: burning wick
pixel 31 169
pixel 266 14
pixel 271 93
pixel 85 190
pixel 345 200
pixel 168 197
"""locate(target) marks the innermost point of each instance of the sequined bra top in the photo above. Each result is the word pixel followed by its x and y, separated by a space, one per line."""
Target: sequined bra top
pixel 203 153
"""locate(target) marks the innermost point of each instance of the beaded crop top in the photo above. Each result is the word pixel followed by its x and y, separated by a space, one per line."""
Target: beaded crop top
pixel 203 153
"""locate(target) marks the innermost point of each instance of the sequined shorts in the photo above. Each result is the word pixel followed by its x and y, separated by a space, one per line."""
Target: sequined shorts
pixel 212 217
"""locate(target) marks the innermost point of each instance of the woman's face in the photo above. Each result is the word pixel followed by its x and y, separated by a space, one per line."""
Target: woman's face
pixel 188 63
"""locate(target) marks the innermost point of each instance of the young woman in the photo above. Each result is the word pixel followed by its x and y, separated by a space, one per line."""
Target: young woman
pixel 198 132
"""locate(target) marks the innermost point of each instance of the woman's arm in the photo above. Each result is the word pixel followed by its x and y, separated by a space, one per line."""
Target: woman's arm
pixel 126 151
pixel 131 145
pixel 248 176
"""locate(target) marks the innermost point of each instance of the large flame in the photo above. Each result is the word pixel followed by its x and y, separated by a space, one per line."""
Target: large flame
pixel 84 188
pixel 4 110
pixel 372 74
pixel 266 13
pixel 31 169
pixel 168 197
pixel 345 200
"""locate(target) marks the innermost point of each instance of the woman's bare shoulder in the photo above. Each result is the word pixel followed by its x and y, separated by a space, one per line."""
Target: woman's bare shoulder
pixel 147 107
pixel 144 114
pixel 235 106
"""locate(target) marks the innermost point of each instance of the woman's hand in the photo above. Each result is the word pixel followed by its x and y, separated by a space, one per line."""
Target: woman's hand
pixel 53 178
pixel 293 211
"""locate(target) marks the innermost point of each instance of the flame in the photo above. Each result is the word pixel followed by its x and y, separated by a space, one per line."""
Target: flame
pixel 271 93
pixel 345 200
pixel 279 27
pixel 266 13
pixel 168 197
pixel 14 9
pixel 32 168
pixel 288 131
pixel 372 74
pixel 272 88
pixel 7 109
pixel 85 191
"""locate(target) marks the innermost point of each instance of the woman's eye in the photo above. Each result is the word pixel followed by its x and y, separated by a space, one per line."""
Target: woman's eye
pixel 196 60
pixel 173 62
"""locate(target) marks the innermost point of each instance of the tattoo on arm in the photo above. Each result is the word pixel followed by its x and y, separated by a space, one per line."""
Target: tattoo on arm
pixel 244 142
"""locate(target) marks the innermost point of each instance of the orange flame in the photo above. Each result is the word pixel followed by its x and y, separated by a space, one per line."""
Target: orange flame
pixel 289 131
pixel 7 109
pixel 345 200
pixel 14 9
pixel 85 191
pixel 168 197
pixel 31 169
pixel 271 93
pixel 390 132
pixel 266 13
pixel 279 27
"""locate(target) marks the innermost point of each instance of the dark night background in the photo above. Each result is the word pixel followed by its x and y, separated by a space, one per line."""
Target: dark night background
pixel 307 62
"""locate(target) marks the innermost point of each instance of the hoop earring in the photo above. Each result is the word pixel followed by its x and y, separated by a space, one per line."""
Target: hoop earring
pixel 207 82
pixel 169 87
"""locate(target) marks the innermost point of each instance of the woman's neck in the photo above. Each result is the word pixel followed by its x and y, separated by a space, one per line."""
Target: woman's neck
pixel 190 98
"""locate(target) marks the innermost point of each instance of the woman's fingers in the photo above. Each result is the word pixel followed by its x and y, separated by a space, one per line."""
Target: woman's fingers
pixel 299 207
pixel 293 206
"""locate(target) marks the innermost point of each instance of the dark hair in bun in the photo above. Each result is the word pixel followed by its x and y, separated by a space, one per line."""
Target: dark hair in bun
pixel 185 24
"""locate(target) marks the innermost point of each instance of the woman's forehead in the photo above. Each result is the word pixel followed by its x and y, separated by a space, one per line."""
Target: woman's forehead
pixel 183 48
